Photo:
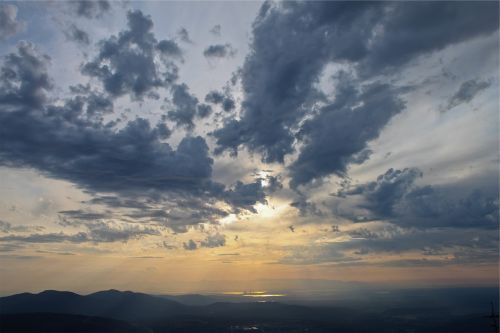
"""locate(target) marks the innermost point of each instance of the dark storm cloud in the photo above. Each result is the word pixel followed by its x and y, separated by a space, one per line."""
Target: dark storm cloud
pixel 95 104
pixel 415 28
pixel 62 144
pixel 24 80
pixel 134 62
pixel 467 91
pixel 185 106
pixel 395 197
pixel 203 110
pixel 273 184
pixel 224 100
pixel 9 25
pixel 293 42
pixel 170 48
pixel 245 196
pixel 338 135
pixel 130 167
pixel 90 8
pixel 77 35
pixel 214 97
pixel 219 51
pixel 288 52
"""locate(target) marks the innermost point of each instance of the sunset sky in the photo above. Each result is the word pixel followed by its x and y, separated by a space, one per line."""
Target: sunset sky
pixel 173 147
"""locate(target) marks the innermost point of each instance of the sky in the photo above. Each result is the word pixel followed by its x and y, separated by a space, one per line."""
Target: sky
pixel 173 147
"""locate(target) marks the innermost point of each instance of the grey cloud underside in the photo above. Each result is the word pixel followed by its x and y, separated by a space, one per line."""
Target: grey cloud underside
pixel 211 241
pixel 134 62
pixel 9 25
pixel 338 135
pixel 435 247
pixel 467 91
pixel 186 106
pixel 70 141
pixel 219 51
pixel 97 233
pixel 218 98
pixel 293 42
pixel 395 197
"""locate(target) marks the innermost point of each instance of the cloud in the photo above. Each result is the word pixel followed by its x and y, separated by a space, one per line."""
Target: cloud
pixel 215 240
pixel 413 29
pixel 305 207
pixel 24 80
pixel 245 196
pixel 77 35
pixel 169 48
pixel 278 78
pixel 395 197
pixel 218 98
pixel 97 232
pixel 219 51
pixel 103 232
pixel 385 245
pixel 9 25
pixel 467 91
pixel 203 110
pixel 185 106
pixel 190 245
pixel 132 164
pixel 89 8
pixel 7 227
pixel 292 44
pixel 338 135
pixel 47 238
pixel 184 35
pixel 134 62
pixel 216 30
pixel 211 241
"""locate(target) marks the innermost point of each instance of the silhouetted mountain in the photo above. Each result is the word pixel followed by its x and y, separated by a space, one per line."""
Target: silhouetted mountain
pixel 112 303
pixel 23 312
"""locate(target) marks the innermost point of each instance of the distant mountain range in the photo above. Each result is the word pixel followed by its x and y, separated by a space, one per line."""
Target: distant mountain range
pixel 117 311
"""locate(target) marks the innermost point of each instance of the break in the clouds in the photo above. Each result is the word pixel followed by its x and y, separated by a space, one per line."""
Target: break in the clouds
pixel 328 136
